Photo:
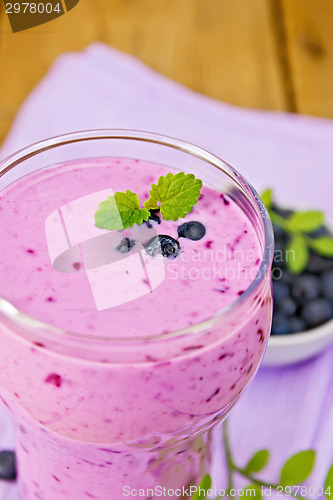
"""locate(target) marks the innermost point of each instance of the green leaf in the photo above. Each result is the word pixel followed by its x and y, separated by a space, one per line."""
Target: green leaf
pixel 258 461
pixel 120 212
pixel 267 197
pixel 323 245
pixel 205 484
pixel 252 491
pixel 328 490
pixel 175 195
pixel 297 468
pixel 297 255
pixel 306 221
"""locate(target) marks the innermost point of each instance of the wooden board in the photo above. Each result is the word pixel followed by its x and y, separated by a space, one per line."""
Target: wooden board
pixel 309 26
pixel 268 54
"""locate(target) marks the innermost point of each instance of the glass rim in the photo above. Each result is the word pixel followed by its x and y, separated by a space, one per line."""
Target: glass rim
pixel 23 154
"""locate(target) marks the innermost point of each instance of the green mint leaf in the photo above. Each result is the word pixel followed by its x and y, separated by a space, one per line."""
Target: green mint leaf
pixel 306 221
pixel 175 195
pixel 267 198
pixel 205 484
pixel 257 462
pixel 120 212
pixel 323 245
pixel 253 491
pixel 328 490
pixel 297 255
pixel 297 468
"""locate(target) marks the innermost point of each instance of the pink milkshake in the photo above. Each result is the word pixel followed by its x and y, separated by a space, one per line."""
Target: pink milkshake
pixel 120 350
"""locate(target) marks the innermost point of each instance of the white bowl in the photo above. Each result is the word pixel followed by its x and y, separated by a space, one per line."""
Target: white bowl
pixel 295 347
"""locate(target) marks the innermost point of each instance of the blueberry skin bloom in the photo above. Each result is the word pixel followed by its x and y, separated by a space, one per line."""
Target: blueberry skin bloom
pixel 125 245
pixel 152 220
pixel 192 230
pixel 164 244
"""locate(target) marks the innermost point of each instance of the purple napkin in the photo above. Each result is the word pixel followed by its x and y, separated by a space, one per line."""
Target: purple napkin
pixel 285 409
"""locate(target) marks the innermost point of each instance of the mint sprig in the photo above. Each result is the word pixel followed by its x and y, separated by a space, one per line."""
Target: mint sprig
pixel 174 195
pixel 299 226
pixel 257 462
pixel 205 485
pixel 297 248
pixel 329 482
pixel 295 470
pixel 120 212
pixel 323 245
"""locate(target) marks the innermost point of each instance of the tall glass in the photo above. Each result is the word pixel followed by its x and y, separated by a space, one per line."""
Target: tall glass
pixel 135 413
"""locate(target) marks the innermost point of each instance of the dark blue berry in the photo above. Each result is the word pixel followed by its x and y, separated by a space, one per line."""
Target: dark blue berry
pixel 7 465
pixel 125 245
pixel 318 264
pixel 287 306
pixel 164 244
pixel 327 280
pixel 280 324
pixel 280 290
pixel 317 311
pixel 297 325
pixel 306 287
pixel 287 278
pixel 192 230
pixel 152 220
pixel 304 301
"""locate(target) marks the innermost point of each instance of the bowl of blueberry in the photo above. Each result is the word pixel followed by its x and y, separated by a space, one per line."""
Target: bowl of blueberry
pixel 302 275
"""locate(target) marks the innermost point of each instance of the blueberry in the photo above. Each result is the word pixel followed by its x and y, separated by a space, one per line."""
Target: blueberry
pixel 306 287
pixel 164 244
pixel 297 325
pixel 192 230
pixel 287 306
pixel 287 278
pixel 317 311
pixel 152 220
pixel 280 290
pixel 318 264
pixel 7 465
pixel 327 281
pixel 125 245
pixel 280 324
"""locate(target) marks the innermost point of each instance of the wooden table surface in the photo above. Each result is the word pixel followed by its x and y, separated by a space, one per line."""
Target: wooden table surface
pixel 268 54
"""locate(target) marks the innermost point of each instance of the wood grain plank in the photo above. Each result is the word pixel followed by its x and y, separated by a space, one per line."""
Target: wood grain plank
pixel 280 36
pixel 222 48
pixel 309 27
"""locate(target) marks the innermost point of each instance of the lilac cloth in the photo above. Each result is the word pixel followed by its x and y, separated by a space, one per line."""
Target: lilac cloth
pixel 285 409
